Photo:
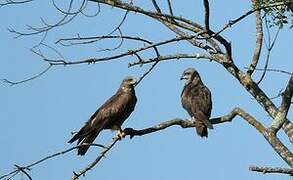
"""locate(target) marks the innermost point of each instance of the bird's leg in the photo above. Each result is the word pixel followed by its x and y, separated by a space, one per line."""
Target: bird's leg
pixel 121 134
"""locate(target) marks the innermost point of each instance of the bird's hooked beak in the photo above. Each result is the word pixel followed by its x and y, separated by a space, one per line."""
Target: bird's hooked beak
pixel 183 77
pixel 134 81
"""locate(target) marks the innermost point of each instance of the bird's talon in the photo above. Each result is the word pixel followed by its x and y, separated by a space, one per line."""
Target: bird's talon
pixel 121 135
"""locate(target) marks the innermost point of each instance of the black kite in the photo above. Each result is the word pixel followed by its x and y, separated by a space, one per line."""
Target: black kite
pixel 196 100
pixel 110 115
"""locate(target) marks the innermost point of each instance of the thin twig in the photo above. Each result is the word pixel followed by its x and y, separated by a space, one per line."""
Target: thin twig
pixel 234 21
pixel 147 72
pixel 23 171
pixel 91 165
pixel 93 15
pixel 11 2
pixel 12 83
pixel 269 46
pixel 273 70
pixel 47 27
pixel 47 158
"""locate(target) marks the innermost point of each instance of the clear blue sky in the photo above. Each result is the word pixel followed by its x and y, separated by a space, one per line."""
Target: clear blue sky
pixel 38 116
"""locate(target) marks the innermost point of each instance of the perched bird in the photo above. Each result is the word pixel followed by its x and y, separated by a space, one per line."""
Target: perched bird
pixel 196 100
pixel 110 115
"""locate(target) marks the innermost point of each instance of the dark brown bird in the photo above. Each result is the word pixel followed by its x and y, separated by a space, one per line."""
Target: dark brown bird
pixel 110 115
pixel 196 100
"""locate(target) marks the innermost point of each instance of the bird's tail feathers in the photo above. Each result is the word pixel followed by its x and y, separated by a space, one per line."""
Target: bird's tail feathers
pixel 78 136
pixel 86 143
pixel 204 119
pixel 201 129
pixel 86 135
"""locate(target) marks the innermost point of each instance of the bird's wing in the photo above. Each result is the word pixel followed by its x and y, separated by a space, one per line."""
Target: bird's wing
pixel 200 100
pixel 104 116
pixel 115 109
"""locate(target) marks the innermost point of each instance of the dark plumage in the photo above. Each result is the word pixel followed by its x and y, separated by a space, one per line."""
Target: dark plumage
pixel 110 115
pixel 196 100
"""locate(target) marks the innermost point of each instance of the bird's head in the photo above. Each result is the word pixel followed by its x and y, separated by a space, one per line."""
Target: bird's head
pixel 128 82
pixel 190 75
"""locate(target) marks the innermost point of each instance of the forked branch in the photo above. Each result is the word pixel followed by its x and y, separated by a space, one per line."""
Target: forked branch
pixel 284 108
pixel 22 169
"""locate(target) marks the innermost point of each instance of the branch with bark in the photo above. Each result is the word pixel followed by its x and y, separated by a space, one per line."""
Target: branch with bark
pixel 280 118
pixel 259 41
pixel 265 170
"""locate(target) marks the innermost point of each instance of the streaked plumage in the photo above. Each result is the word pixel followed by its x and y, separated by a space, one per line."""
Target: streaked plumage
pixel 110 115
pixel 196 100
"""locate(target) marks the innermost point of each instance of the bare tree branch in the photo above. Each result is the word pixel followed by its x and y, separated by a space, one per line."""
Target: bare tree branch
pixel 87 40
pixel 200 37
pixel 29 166
pixel 256 92
pixel 62 61
pixel 131 132
pixel 234 21
pixel 12 83
pixel 173 57
pixel 271 138
pixel 259 40
pixel 132 52
pixel 284 108
pixel 23 171
pixel 272 70
pixel 11 2
pixel 170 8
pixel 269 45
pixel 127 7
pixel 265 170
pixel 191 123
pixel 166 19
pixel 91 165
pixel 147 72
pixel 67 18
pixel 59 62
pixel 206 15
pixel 156 6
